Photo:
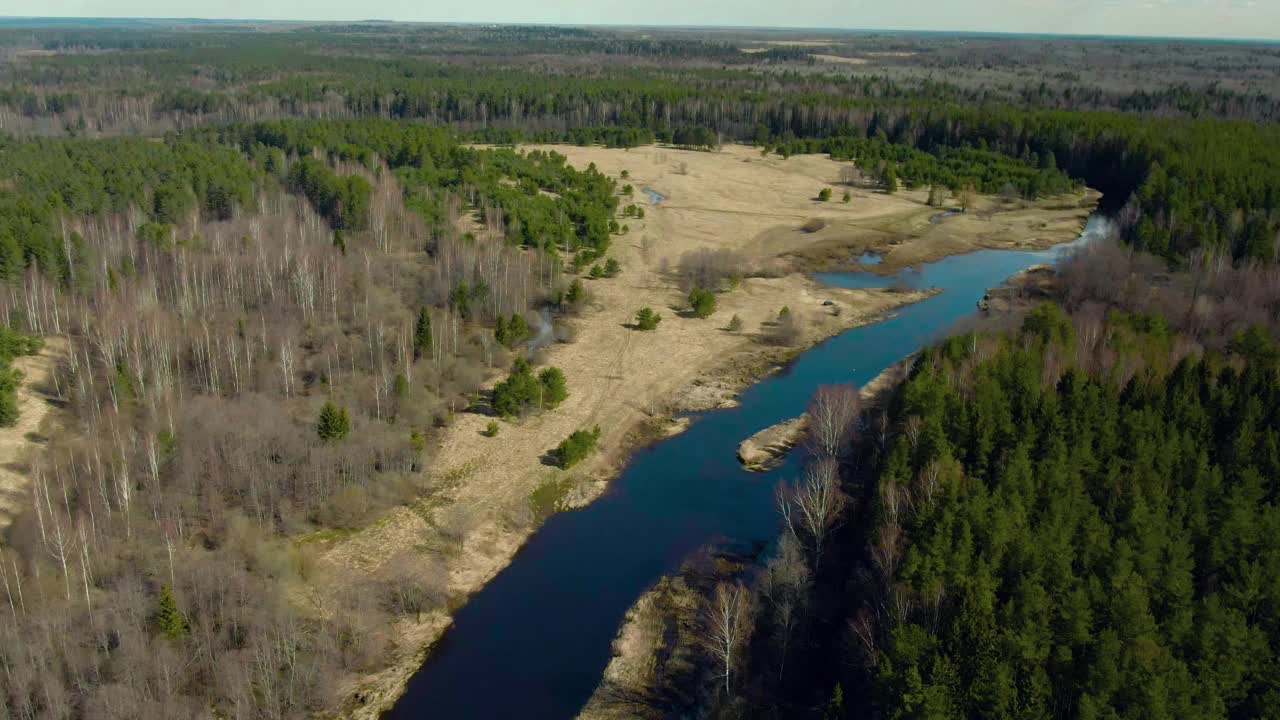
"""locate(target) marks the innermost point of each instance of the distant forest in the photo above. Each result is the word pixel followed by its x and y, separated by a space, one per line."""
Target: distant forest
pixel 1191 167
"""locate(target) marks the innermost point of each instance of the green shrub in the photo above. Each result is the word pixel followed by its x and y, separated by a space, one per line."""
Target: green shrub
pixel 824 194
pixel 735 324
pixel 647 319
pixel 702 301
pixel 612 268
pixel 577 447
pixel 554 388
pixel 522 390
pixel 576 294
pixel 510 333
pixel 491 430
pixel 10 379
pixel 14 344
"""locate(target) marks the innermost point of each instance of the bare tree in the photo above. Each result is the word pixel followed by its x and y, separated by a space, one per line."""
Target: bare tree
pixel 833 414
pixel 728 626
pixel 785 586
pixel 811 508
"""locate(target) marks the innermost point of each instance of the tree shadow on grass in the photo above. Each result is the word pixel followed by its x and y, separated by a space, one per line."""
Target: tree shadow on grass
pixel 551 458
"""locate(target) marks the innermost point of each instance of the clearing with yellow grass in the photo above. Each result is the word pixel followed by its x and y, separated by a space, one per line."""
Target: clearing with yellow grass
pixel 628 382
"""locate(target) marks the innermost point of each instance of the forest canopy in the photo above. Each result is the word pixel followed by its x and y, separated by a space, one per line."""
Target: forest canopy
pixel 1101 538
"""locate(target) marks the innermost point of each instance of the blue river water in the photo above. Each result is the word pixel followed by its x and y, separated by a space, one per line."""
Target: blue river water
pixel 534 642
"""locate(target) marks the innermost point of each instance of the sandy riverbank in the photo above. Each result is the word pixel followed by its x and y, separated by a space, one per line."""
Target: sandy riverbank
pixel 627 382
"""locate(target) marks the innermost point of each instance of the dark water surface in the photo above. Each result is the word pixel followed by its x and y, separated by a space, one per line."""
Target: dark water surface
pixel 534 642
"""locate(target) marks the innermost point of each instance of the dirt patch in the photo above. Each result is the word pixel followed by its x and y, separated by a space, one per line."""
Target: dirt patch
pixel 38 413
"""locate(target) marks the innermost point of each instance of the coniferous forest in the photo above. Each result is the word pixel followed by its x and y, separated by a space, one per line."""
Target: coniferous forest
pixel 284 256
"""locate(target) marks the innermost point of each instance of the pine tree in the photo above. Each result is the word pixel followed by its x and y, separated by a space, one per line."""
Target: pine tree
pixel 554 387
pixel 422 334
pixel 168 619
pixel 334 423
pixel 890 179
pixel 647 319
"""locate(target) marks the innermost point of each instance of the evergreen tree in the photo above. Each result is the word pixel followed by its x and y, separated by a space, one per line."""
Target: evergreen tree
pixel 576 294
pixel 422 333
pixel 554 388
pixel 334 422
pixel 890 179
pixel 168 619
pixel 647 319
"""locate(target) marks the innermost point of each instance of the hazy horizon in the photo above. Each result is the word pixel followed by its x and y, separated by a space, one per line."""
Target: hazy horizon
pixel 1200 19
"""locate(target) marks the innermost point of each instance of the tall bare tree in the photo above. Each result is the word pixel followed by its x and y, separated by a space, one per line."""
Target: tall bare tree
pixel 811 507
pixel 833 414
pixel 727 627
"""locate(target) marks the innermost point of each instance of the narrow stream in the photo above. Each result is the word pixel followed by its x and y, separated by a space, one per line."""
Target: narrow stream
pixel 534 642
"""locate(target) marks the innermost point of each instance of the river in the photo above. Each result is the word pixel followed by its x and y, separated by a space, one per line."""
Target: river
pixel 534 642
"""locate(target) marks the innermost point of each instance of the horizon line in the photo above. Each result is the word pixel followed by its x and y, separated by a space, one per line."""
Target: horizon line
pixel 33 19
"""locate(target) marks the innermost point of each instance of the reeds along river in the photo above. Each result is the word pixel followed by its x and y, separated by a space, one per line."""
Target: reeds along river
pixel 534 642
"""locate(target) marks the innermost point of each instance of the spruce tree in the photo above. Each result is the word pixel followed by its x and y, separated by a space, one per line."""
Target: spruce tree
pixel 168 619
pixel 422 334
pixel 334 423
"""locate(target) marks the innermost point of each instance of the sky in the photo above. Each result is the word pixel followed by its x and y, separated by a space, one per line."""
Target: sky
pixel 1258 19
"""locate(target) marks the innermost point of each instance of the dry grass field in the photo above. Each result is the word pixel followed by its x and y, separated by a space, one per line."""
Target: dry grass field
pixel 630 382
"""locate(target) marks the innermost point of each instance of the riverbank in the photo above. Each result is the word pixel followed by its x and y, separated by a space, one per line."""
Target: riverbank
pixel 767 207
pixel 656 643
pixel 647 654
pixel 926 234
pixel 637 650
pixel 631 384
pixel 489 481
